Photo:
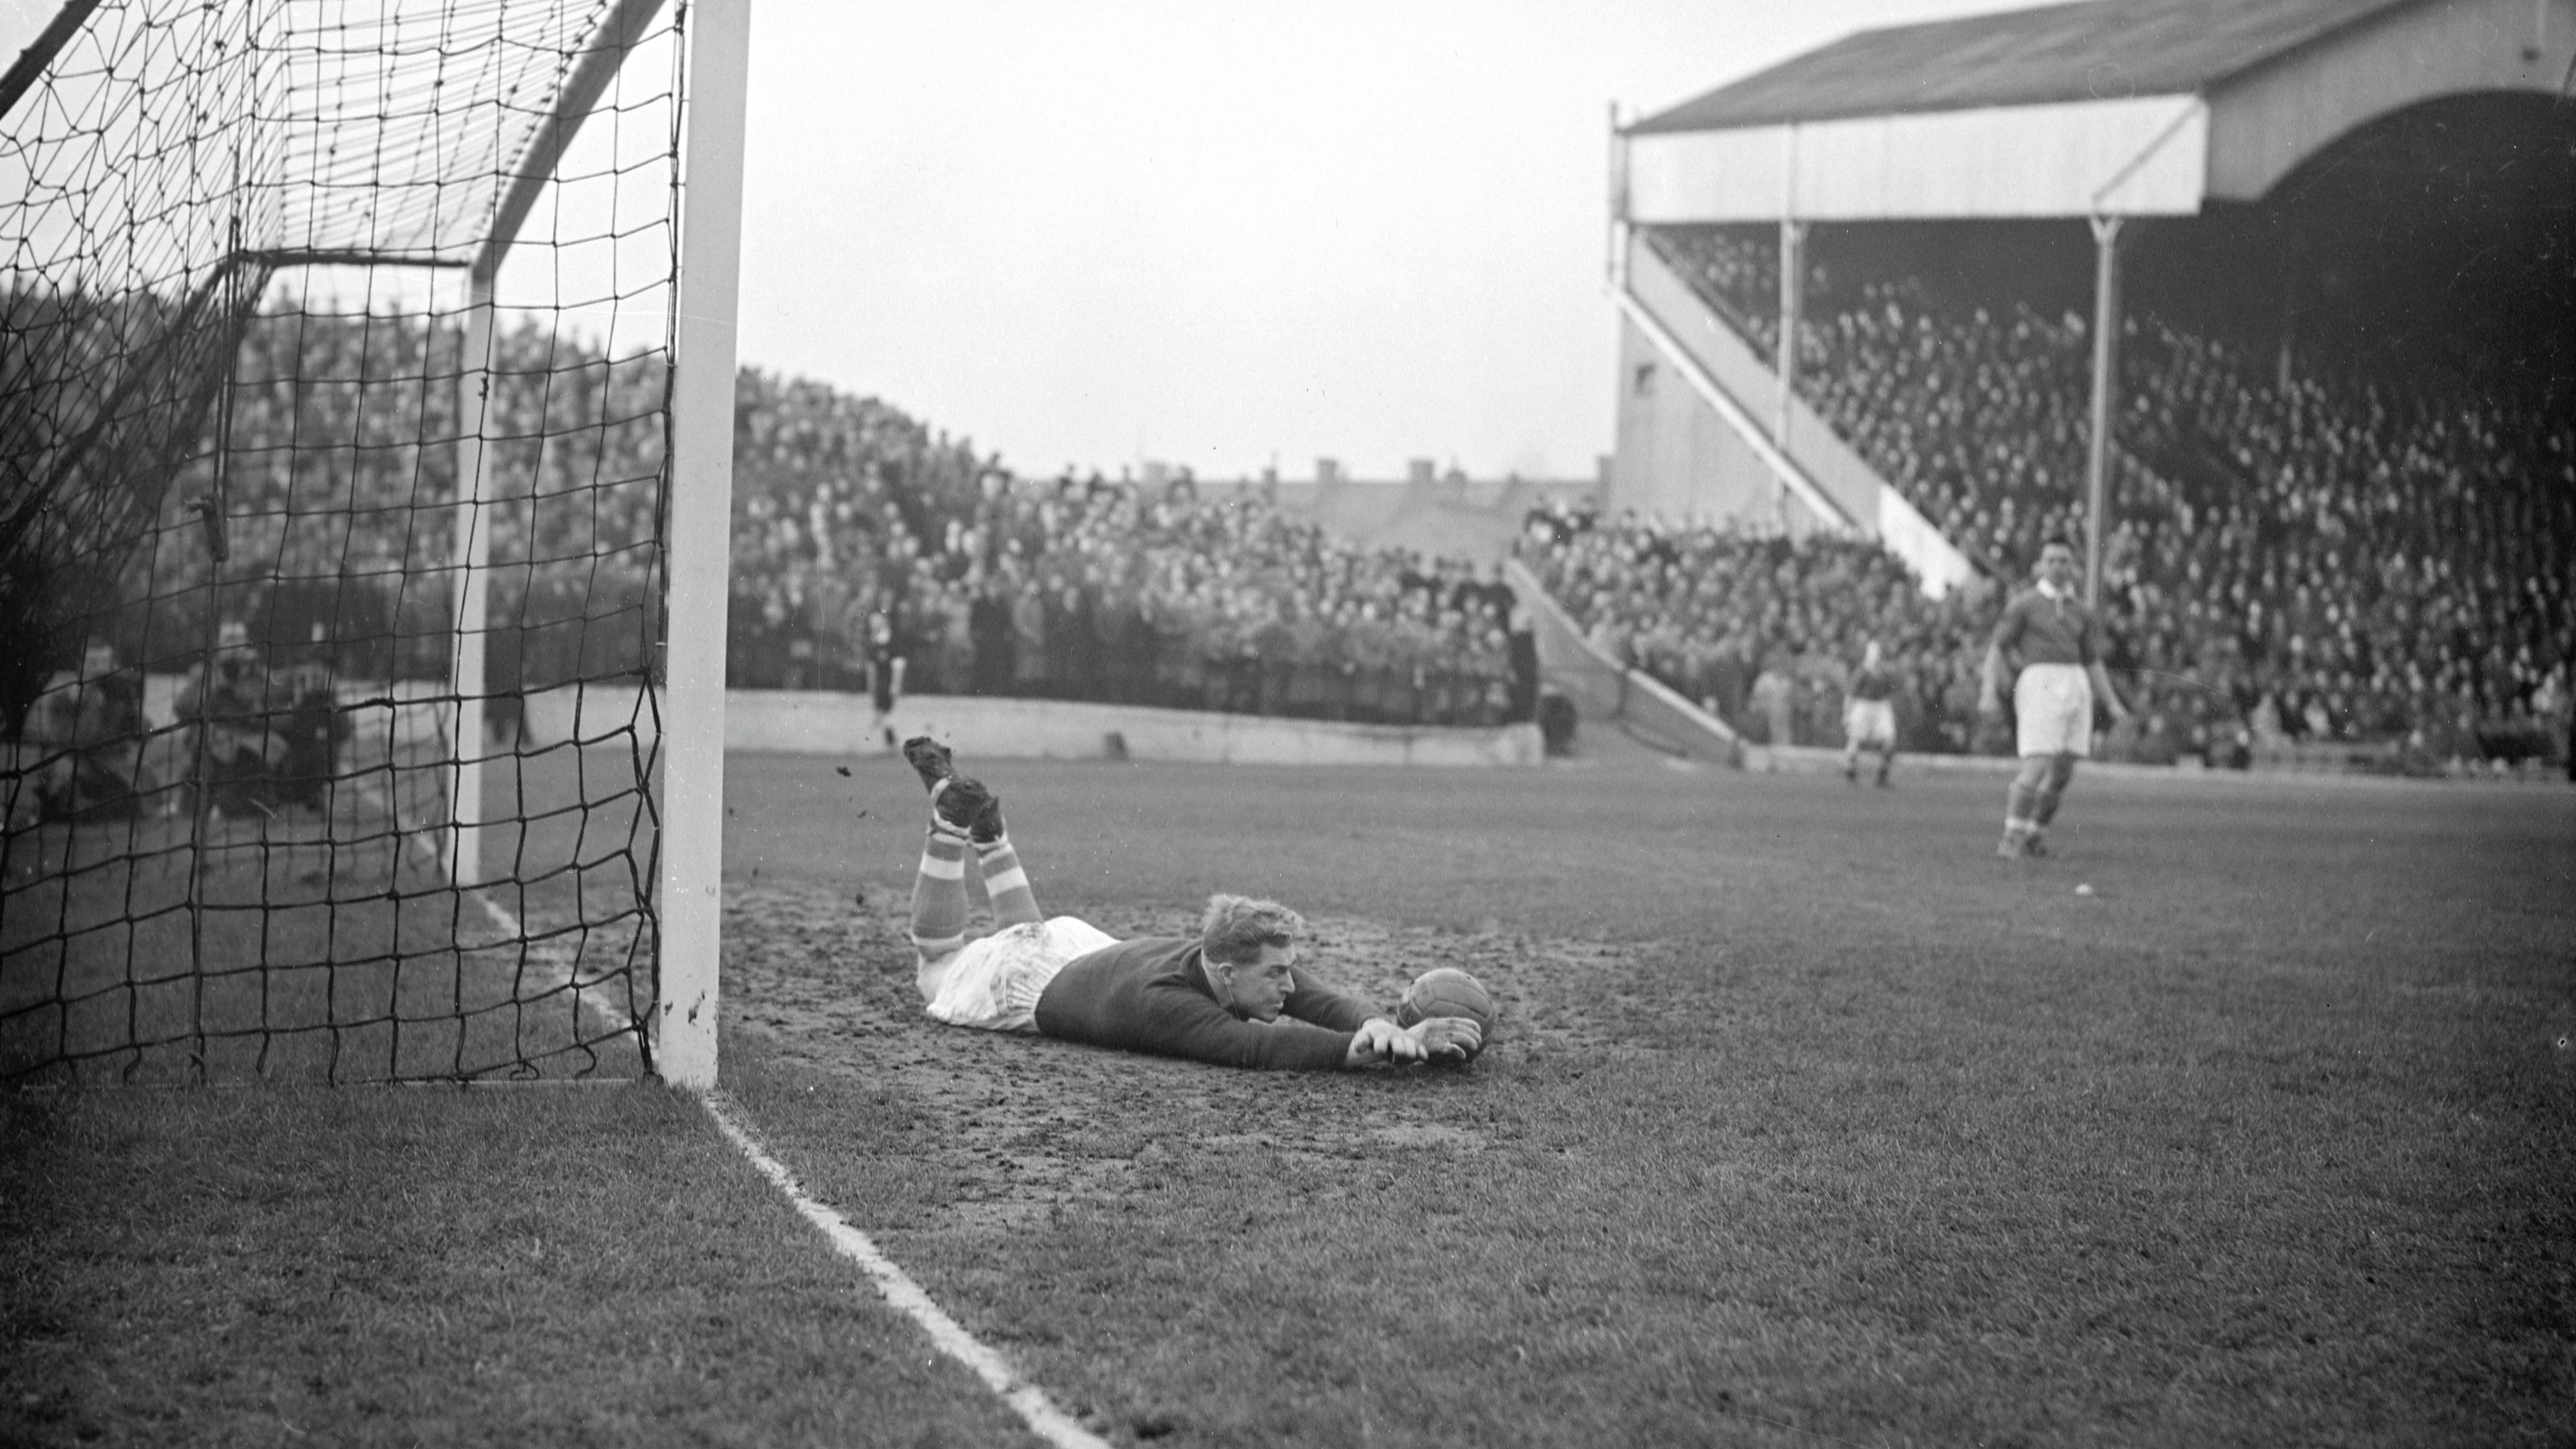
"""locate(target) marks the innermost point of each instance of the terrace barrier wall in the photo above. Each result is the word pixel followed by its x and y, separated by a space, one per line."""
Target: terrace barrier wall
pixel 833 723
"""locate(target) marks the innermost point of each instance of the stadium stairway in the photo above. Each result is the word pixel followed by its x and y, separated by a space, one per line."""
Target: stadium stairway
pixel 1622 714
pixel 1831 480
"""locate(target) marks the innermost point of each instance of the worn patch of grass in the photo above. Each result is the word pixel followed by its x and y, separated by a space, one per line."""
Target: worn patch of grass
pixel 385 1266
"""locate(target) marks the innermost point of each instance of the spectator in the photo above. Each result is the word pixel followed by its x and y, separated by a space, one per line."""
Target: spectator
pixel 85 735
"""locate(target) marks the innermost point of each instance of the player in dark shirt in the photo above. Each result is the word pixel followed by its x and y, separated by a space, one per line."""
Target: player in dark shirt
pixel 1869 715
pixel 2051 644
pixel 1233 995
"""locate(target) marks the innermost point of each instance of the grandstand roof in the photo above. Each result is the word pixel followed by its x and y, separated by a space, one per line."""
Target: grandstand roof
pixel 2090 51
pixel 2104 108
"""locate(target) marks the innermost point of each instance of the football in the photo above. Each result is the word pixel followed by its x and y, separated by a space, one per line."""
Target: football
pixel 1447 991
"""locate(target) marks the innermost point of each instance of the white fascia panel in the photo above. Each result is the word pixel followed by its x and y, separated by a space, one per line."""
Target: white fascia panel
pixel 1704 176
pixel 2135 157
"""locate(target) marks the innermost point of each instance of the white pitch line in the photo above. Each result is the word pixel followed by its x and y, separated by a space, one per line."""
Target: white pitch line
pixel 1050 1423
pixel 567 968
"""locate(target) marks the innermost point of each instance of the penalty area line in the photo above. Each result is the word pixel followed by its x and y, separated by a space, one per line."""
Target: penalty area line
pixel 897 1287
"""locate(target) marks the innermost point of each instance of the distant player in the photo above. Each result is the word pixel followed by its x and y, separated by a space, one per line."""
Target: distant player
pixel 1232 995
pixel 885 674
pixel 2055 643
pixel 1869 715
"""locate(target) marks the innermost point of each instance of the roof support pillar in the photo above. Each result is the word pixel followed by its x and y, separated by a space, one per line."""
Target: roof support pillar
pixel 2106 384
pixel 1618 202
pixel 1793 307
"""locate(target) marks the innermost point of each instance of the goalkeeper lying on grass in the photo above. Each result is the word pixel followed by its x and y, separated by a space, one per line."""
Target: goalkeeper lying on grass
pixel 1219 998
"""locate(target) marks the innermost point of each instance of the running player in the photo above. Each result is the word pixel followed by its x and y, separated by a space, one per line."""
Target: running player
pixel 1217 997
pixel 2055 643
pixel 1869 715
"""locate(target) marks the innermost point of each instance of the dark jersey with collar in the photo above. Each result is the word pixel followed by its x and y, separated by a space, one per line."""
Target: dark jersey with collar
pixel 2038 629
pixel 1872 685
pixel 1152 995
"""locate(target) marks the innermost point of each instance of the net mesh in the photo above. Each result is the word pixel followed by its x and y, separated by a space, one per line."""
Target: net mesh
pixel 330 536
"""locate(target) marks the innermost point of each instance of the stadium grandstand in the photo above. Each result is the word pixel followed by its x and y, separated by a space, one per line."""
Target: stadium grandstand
pixel 2266 304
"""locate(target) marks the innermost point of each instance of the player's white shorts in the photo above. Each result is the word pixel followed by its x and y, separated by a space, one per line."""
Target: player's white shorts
pixel 1870 722
pixel 993 982
pixel 2053 710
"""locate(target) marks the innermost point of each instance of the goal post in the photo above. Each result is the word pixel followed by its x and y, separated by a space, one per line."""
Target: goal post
pixel 365 424
pixel 690 881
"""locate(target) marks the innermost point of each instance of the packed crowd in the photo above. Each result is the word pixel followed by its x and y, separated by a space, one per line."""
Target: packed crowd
pixel 2344 559
pixel 1083 588
pixel 340 517
pixel 859 534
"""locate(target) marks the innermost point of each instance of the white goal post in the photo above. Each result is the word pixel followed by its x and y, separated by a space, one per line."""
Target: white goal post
pixel 691 882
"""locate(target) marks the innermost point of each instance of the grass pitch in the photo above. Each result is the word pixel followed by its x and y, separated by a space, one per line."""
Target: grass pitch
pixel 1809 1122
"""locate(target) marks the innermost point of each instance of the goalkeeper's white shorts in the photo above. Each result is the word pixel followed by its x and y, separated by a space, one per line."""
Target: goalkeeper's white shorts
pixel 2053 710
pixel 993 982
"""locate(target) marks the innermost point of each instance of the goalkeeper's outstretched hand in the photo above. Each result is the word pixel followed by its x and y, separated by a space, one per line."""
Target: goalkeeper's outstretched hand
pixel 1449 1038
pixel 1380 1042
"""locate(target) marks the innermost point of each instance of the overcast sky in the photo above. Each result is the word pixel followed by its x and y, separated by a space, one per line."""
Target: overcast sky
pixel 1215 234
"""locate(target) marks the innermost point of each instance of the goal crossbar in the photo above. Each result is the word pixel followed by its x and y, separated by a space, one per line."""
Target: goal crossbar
pixel 40 52
pixel 616 36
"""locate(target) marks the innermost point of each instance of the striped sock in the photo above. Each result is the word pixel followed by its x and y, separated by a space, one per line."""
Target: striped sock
pixel 1015 903
pixel 939 894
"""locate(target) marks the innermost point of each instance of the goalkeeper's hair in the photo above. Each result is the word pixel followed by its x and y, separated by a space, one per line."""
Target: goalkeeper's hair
pixel 1235 928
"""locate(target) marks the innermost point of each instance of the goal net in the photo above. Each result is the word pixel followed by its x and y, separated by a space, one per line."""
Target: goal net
pixel 337 346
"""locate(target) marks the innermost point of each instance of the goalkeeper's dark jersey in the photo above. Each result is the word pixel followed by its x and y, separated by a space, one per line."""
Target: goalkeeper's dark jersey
pixel 1152 995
